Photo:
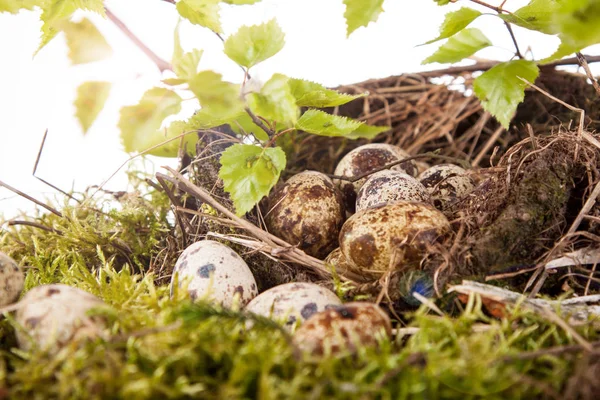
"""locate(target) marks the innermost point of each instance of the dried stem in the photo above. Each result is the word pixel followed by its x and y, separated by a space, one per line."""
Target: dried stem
pixel 26 196
pixel 583 62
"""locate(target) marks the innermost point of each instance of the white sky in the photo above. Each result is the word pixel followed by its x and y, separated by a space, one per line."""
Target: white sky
pixel 38 93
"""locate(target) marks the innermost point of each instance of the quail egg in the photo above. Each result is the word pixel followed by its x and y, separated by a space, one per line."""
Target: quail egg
pixel 307 211
pixel 11 280
pixel 296 301
pixel 366 159
pixel 343 328
pixel 446 183
pixel 215 272
pixel 387 187
pixel 392 236
pixel 54 315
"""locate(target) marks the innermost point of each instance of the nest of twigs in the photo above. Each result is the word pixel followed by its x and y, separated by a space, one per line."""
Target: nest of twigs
pixel 532 202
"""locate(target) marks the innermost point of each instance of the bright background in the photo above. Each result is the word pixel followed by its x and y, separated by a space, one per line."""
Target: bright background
pixel 37 93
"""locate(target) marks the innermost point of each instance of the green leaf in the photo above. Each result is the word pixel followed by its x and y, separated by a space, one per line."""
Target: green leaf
pixel 201 12
pixel 56 12
pixel 253 44
pixel 185 65
pixel 215 93
pixel 90 100
pixel 311 94
pixel 500 90
pixel 245 125
pixel 14 6
pixel 360 13
pixel 578 22
pixel 321 123
pixel 538 15
pixel 442 2
pixel 563 50
pixel 249 173
pixel 275 101
pixel 86 43
pixel 207 118
pixel 464 44
pixel 455 22
pixel 140 124
pixel 241 2
pixel 367 131
pixel 175 131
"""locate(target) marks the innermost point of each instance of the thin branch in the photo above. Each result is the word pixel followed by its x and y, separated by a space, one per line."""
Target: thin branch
pixel 260 124
pixel 39 203
pixel 34 225
pixel 514 39
pixel 491 7
pixel 160 63
pixel 583 62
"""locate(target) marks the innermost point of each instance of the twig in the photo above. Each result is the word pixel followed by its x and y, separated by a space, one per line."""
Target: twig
pixel 39 203
pixel 487 145
pixel 160 63
pixel 260 124
pixel 34 225
pixel 583 62
pixel 514 39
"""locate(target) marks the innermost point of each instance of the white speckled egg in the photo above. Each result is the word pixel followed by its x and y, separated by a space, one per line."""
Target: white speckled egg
pixel 387 187
pixel 446 183
pixel 365 159
pixel 11 280
pixel 393 236
pixel 343 328
pixel 54 315
pixel 307 211
pixel 214 272
pixel 296 301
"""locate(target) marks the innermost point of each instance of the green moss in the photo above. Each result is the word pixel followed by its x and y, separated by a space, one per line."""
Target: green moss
pixel 167 348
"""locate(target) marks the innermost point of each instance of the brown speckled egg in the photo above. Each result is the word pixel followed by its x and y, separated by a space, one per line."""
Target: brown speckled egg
pixel 445 183
pixel 54 315
pixel 387 187
pixel 365 159
pixel 11 280
pixel 214 272
pixel 383 238
pixel 343 328
pixel 307 211
pixel 296 301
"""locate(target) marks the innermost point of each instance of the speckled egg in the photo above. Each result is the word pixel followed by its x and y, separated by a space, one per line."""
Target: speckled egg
pixel 292 302
pixel 446 183
pixel 307 211
pixel 11 280
pixel 54 315
pixel 365 159
pixel 379 239
pixel 337 259
pixel 214 272
pixel 387 187
pixel 343 328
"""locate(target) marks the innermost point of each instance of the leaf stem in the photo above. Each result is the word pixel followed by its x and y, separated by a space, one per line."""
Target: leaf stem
pixel 160 63
pixel 514 39
pixel 259 122
pixel 278 135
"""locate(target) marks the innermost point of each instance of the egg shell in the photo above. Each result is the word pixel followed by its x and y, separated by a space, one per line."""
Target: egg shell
pixel 296 301
pixel 213 271
pixel 387 187
pixel 446 183
pixel 343 328
pixel 307 211
pixel 54 315
pixel 371 239
pixel 367 158
pixel 11 280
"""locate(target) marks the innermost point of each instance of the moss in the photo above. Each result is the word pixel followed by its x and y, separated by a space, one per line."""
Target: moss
pixel 168 348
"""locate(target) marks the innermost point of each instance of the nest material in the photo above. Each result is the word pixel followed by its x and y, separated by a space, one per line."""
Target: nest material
pixel 522 207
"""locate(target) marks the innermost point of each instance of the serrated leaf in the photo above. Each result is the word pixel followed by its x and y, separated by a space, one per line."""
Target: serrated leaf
pixel 249 173
pixel 563 50
pixel 245 125
pixel 275 101
pixel 500 90
pixel 360 13
pixel 215 93
pixel 311 94
pixel 455 22
pixel 90 100
pixel 365 131
pixel 321 123
pixel 201 12
pixel 464 44
pixel 578 23
pixel 538 15
pixel 85 42
pixel 140 124
pixel 56 12
pixel 241 2
pixel 253 44
pixel 14 6
pixel 185 65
